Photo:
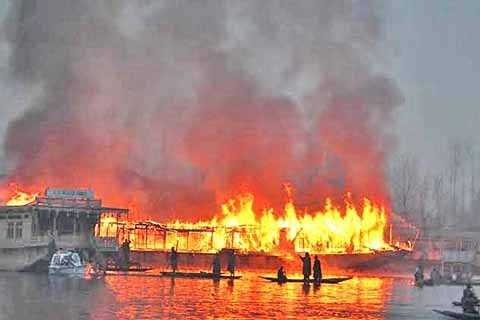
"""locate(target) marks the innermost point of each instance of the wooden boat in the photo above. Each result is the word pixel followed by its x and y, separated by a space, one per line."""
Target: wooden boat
pixel 459 304
pixel 462 283
pixel 197 275
pixel 130 269
pixel 324 280
pixel 429 282
pixel 458 315
pixel 66 263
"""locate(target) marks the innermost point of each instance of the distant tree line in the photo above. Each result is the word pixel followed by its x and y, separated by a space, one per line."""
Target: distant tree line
pixel 448 197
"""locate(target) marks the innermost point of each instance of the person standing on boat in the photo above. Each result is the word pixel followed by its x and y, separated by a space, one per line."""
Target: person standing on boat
pixel 173 259
pixel 281 275
pixel 419 276
pixel 307 267
pixel 231 263
pixel 317 270
pixel 216 266
pixel 435 276
pixel 126 253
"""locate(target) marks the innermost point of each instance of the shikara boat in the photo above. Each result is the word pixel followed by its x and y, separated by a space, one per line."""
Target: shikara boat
pixel 458 315
pixel 66 263
pixel 429 282
pixel 197 275
pixel 459 304
pixel 324 280
pixel 129 269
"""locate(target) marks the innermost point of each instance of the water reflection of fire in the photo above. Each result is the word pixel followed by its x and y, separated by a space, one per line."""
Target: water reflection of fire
pixel 359 298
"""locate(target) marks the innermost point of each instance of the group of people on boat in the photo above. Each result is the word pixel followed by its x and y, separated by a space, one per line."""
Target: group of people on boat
pixel 216 263
pixel 306 270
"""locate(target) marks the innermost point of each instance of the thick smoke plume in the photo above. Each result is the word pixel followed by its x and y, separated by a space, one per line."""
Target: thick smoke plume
pixel 173 106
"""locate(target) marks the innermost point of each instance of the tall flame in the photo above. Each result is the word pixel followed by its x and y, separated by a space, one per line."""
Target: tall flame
pixel 331 229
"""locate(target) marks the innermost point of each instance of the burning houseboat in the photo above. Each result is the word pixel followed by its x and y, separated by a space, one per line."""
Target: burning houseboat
pixel 352 236
pixel 355 237
pixel 31 226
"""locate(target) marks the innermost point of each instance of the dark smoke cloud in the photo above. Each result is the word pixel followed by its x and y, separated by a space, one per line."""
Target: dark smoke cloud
pixel 175 105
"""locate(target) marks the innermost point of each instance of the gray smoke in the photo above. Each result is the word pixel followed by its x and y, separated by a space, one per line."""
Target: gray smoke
pixel 169 102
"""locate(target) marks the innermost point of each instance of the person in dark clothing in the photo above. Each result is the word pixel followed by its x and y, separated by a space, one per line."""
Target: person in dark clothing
pixel 173 259
pixel 435 276
pixel 469 300
pixel 281 275
pixel 419 278
pixel 216 266
pixel 307 267
pixel 317 270
pixel 231 263
pixel 126 253
pixel 52 247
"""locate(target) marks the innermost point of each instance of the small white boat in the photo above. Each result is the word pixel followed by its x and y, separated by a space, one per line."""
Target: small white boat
pixel 66 262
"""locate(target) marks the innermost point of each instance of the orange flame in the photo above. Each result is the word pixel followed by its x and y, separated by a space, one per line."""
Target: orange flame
pixel 19 197
pixel 329 230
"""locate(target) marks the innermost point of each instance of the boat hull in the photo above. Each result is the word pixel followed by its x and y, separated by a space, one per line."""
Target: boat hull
pixel 363 260
pixel 429 282
pixel 326 280
pixel 458 315
pixel 25 258
pixel 197 275
pixel 353 261
pixel 66 271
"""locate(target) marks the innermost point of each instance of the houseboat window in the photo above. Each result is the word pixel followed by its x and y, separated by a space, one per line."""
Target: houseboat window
pixel 10 230
pixel 44 222
pixel 65 224
pixel 34 227
pixel 19 230
pixel 78 222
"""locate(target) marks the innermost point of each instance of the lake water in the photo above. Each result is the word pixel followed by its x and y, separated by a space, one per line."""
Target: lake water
pixel 33 296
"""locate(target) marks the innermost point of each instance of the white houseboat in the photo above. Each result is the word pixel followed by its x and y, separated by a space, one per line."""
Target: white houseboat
pixel 61 218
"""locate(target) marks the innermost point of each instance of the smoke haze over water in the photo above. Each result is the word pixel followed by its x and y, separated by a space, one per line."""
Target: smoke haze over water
pixel 176 105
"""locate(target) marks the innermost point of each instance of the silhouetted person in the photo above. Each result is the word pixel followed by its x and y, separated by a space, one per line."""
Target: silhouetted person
pixel 231 263
pixel 126 253
pixel 307 267
pixel 419 278
pixel 317 270
pixel 435 276
pixel 281 275
pixel 173 259
pixel 52 246
pixel 469 300
pixel 216 266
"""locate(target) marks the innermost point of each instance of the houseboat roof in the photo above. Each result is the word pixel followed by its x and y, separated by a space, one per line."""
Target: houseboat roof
pixel 67 200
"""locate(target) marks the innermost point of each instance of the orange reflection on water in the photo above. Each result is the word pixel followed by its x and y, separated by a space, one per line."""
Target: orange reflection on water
pixel 247 298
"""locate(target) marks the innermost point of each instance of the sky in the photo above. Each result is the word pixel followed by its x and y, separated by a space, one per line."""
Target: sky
pixel 431 51
pixel 436 63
